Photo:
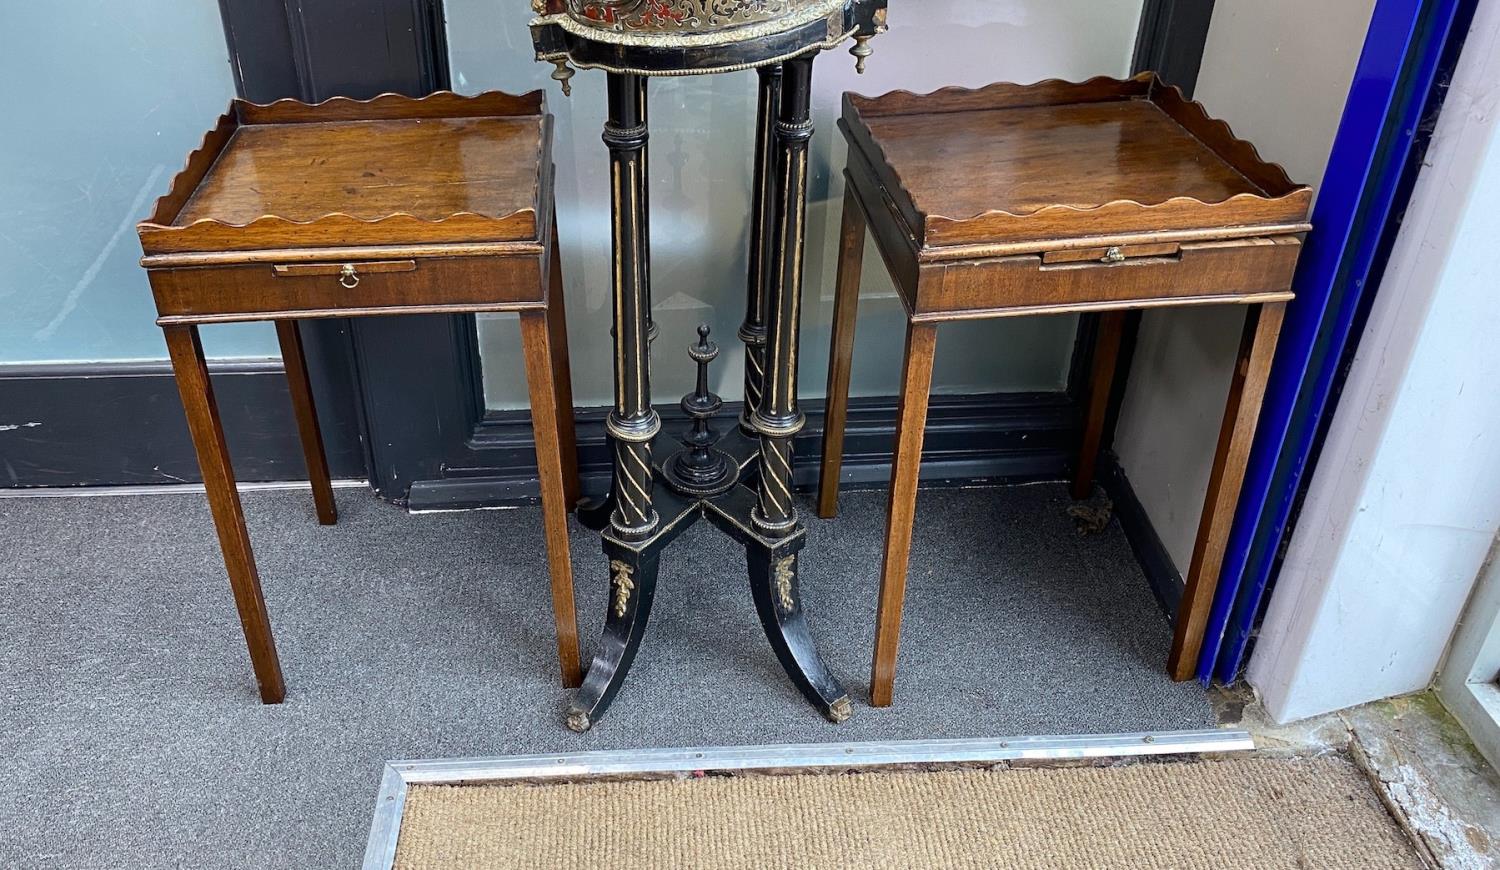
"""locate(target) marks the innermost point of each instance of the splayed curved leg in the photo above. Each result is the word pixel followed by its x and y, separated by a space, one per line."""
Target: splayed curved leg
pixel 778 602
pixel 632 588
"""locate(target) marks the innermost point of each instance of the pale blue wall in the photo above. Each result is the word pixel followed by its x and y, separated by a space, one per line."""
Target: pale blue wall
pixel 102 102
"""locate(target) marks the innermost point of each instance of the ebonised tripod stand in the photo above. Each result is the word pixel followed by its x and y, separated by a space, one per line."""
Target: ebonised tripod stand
pixel 741 482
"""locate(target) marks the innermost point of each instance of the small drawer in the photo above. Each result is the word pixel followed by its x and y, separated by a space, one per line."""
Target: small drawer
pixel 351 288
pixel 1112 254
pixel 349 274
pixel 1134 276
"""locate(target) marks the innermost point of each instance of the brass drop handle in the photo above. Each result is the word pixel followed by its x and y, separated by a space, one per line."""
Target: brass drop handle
pixel 346 273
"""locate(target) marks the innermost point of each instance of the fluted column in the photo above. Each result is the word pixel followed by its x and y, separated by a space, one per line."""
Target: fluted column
pixel 632 423
pixel 762 236
pixel 777 419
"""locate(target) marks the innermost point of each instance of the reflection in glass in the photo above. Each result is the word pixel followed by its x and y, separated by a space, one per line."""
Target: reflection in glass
pixel 101 108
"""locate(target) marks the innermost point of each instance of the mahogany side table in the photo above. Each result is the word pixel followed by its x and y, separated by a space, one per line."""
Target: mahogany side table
pixel 348 208
pixel 1058 197
pixel 741 480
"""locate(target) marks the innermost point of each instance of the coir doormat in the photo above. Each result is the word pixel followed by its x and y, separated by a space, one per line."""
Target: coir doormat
pixel 1245 812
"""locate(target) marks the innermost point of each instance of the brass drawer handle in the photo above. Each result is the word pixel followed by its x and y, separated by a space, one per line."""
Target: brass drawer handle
pixel 1111 256
pixel 348 274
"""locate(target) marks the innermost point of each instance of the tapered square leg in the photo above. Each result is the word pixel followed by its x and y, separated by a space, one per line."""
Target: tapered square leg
pixel 1237 434
pixel 300 387
pixel 562 374
pixel 535 338
pixel 224 502
pixel 906 464
pixel 841 356
pixel 1106 359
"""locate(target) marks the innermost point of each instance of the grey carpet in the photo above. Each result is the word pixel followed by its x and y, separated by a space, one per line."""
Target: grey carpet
pixel 132 735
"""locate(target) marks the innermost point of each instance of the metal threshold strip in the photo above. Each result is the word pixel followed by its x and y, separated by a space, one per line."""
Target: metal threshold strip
pixel 385 829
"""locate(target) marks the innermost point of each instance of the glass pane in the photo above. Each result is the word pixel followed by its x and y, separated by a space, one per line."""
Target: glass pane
pixel 702 143
pixel 102 106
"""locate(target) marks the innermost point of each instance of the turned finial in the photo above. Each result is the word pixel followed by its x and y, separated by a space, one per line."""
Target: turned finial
pixel 861 52
pixel 563 75
pixel 700 468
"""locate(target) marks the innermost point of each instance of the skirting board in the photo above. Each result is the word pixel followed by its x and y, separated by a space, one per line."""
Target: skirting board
pixel 1161 572
pixel 1008 437
pixel 121 424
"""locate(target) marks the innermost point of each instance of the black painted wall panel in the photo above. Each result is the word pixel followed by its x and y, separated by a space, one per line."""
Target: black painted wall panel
pixel 76 425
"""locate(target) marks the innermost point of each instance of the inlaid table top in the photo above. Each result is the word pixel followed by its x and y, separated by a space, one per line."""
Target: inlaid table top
pixel 695 37
pixel 393 170
pixel 1018 163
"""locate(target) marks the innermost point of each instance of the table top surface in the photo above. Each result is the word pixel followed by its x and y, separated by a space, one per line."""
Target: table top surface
pixel 445 169
pixel 429 168
pixel 959 165
pixel 1029 165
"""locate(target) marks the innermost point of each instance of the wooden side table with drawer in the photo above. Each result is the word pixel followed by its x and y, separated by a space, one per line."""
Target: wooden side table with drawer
pixel 1099 196
pixel 287 211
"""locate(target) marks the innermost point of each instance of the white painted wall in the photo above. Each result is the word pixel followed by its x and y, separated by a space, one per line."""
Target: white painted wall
pixel 1278 71
pixel 1405 503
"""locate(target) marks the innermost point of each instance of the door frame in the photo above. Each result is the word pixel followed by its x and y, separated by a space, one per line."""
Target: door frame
pixel 1410 51
pixel 1469 680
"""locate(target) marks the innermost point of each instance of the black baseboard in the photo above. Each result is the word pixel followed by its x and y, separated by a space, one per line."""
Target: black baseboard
pixel 997 438
pixel 1166 581
pixel 122 424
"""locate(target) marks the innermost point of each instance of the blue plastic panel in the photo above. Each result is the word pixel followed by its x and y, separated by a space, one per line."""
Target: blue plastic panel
pixel 1389 96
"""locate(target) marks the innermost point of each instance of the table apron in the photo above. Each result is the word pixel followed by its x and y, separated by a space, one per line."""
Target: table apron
pixel 1221 270
pixel 258 291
